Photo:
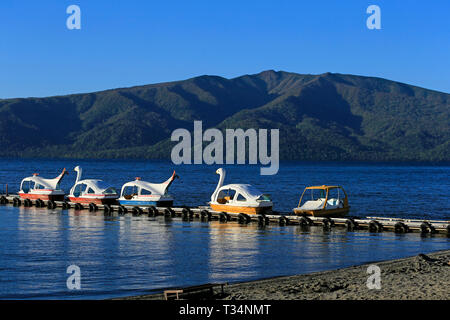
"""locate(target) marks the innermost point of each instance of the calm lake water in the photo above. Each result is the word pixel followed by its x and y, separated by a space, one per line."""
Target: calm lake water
pixel 128 255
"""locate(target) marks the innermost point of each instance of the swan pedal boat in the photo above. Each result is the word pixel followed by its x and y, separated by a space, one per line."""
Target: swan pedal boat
pixel 143 193
pixel 323 201
pixel 35 188
pixel 92 191
pixel 239 198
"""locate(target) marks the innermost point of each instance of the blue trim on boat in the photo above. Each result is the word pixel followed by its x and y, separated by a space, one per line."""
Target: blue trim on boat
pixel 163 203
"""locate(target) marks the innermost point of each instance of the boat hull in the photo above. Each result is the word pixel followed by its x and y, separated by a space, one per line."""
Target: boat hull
pixel 339 212
pixel 240 209
pixel 93 200
pixel 46 197
pixel 147 203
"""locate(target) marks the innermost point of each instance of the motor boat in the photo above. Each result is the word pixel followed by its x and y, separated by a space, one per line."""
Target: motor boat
pixel 35 188
pixel 323 201
pixel 239 198
pixel 92 191
pixel 143 193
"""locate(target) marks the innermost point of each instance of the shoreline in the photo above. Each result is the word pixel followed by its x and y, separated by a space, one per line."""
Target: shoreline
pixel 420 277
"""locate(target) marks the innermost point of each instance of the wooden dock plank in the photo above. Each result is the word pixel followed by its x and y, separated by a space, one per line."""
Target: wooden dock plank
pixel 387 223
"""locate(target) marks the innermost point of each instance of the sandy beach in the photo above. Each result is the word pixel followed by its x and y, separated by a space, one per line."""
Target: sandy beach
pixel 424 277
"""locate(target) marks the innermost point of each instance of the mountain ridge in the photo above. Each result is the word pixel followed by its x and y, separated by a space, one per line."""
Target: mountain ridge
pixel 330 116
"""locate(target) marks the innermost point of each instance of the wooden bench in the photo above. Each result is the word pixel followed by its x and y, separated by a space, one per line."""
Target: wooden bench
pixel 209 286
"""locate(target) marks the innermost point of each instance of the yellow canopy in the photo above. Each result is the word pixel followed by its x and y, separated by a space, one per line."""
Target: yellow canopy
pixel 324 187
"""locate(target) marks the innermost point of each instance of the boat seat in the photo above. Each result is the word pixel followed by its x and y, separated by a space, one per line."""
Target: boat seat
pixel 313 204
pixel 333 204
pixel 221 201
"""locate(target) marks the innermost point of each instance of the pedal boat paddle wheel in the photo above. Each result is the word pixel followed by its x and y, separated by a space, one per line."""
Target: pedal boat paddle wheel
pixel 323 201
pixel 143 193
pixel 239 198
pixel 92 191
pixel 35 188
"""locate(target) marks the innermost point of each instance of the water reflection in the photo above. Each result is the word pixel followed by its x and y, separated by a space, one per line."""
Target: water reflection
pixel 226 239
pixel 125 255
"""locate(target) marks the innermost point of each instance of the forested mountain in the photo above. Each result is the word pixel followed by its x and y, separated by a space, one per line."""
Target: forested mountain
pixel 320 117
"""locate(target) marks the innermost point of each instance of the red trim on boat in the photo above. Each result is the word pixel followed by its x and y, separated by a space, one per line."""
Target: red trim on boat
pixel 92 200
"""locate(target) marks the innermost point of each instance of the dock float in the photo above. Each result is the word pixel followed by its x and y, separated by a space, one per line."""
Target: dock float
pixel 204 213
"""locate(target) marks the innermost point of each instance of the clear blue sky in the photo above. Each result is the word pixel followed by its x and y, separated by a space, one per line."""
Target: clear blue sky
pixel 126 43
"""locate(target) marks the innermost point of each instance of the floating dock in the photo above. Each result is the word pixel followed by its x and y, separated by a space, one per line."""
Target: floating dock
pixel 204 213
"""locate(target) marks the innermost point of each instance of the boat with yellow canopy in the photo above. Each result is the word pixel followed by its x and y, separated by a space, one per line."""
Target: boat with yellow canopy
pixel 323 201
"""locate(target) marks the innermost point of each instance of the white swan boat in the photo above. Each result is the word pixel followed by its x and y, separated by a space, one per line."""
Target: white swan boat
pixel 239 198
pixel 143 193
pixel 91 191
pixel 35 187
